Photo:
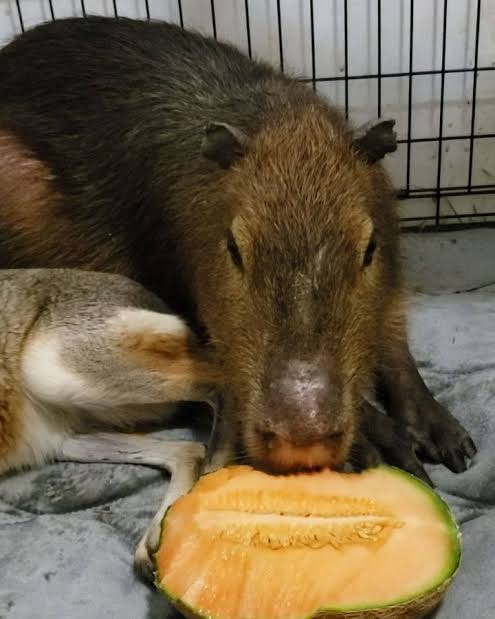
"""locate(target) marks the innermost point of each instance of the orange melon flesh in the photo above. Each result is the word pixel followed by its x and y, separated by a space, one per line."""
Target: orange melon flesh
pixel 247 545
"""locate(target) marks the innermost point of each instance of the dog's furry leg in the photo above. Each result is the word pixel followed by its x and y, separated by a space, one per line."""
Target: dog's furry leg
pixel 130 448
pixel 98 352
pixel 182 459
pixel 182 480
pixel 124 371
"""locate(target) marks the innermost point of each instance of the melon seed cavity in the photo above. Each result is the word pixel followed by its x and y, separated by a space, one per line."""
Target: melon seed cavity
pixel 277 519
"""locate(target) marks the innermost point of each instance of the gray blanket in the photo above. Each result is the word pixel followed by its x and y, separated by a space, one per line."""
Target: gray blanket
pixel 68 531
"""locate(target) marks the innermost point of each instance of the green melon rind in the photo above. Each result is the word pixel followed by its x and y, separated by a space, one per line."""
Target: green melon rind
pixel 412 607
pixel 418 608
pixel 451 568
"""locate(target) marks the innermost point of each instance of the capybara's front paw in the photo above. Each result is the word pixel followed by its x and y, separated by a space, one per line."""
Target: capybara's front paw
pixel 383 439
pixel 438 436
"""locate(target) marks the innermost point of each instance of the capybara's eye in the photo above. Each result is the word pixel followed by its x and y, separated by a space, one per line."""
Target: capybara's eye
pixel 370 250
pixel 234 252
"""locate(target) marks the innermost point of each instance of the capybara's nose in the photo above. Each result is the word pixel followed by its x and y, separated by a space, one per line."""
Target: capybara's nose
pixel 301 402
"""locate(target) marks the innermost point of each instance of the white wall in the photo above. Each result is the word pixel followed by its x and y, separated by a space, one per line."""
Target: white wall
pixel 329 57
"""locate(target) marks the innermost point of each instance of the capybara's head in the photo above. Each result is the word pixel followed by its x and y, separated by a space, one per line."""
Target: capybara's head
pixel 295 292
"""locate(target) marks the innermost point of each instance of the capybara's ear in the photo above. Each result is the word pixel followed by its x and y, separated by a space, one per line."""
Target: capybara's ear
pixel 375 139
pixel 223 144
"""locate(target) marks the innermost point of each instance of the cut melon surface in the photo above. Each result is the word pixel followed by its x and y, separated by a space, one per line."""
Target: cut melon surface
pixel 247 545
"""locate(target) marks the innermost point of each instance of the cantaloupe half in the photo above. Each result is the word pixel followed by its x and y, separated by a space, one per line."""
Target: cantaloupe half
pixel 247 545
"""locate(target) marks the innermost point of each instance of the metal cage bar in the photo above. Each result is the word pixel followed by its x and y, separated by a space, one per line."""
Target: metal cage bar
pixel 19 14
pixel 213 19
pixel 473 99
pixel 379 55
pixel 280 39
pixel 313 51
pixel 346 59
pixel 367 76
pixel 181 14
pixel 409 97
pixel 248 28
pixel 442 101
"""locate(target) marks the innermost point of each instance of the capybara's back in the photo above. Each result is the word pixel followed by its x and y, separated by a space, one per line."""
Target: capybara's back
pixel 99 122
pixel 233 192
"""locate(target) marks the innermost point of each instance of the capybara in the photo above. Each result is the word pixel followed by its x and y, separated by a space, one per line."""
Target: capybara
pixel 249 205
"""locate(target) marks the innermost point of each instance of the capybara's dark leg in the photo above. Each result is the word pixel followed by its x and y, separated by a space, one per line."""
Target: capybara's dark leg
pixel 437 435
pixel 382 439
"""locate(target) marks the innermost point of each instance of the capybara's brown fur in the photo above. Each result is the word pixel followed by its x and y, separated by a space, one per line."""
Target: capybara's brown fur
pixel 235 193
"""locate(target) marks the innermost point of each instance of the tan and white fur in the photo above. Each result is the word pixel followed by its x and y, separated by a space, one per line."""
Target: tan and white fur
pixel 86 359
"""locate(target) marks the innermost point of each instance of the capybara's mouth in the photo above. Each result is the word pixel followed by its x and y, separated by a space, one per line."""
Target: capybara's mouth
pixel 281 456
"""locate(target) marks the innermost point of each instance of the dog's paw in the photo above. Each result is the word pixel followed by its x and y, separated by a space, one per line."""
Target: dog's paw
pixel 187 458
pixel 143 562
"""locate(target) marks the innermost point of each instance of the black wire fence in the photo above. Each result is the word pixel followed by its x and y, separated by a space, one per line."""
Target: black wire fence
pixel 440 196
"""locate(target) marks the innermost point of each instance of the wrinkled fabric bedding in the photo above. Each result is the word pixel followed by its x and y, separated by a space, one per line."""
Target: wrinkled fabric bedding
pixel 68 531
